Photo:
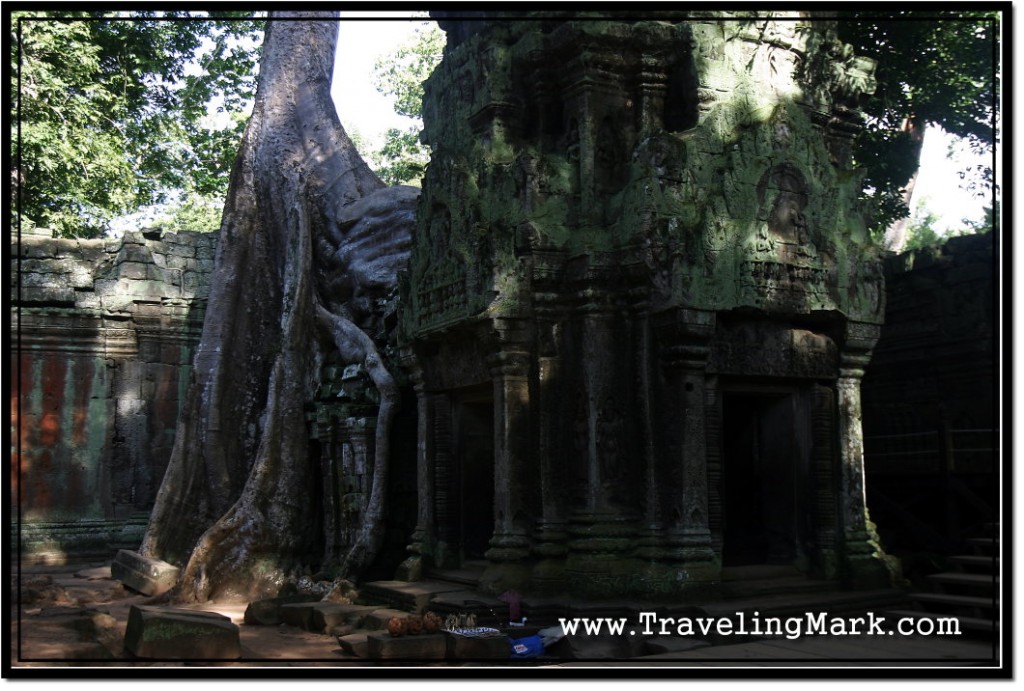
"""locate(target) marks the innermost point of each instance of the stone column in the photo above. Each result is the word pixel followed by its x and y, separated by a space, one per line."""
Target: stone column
pixel 713 427
pixel 603 531
pixel 689 551
pixel 864 569
pixel 423 537
pixel 652 87
pixel 550 535
pixel 510 546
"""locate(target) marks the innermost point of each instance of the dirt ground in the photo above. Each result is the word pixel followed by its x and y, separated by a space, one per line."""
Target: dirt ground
pixel 76 616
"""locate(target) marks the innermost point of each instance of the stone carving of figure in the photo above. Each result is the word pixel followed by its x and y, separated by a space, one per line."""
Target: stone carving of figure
pixel 787 218
pixel 784 189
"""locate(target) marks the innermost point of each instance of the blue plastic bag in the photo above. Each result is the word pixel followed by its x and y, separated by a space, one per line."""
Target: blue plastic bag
pixel 531 646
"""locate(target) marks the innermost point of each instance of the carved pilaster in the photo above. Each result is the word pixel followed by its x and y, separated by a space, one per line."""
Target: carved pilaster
pixel 713 427
pixel 445 482
pixel 510 545
pixel 824 482
pixel 423 537
pixel 864 568
pixel 652 532
pixel 684 355
pixel 550 535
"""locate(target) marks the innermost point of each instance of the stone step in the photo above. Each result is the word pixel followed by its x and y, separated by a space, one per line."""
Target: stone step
pixel 832 603
pixel 355 643
pixel 773 586
pixel 955 600
pixel 972 580
pixel 966 623
pixel 409 596
pixel 422 647
pixel 378 619
pixel 977 562
pixel 985 545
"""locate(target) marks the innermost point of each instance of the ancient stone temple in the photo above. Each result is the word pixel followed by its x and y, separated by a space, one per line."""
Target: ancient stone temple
pixel 639 305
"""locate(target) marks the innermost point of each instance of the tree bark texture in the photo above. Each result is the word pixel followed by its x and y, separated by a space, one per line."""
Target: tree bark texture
pixel 310 237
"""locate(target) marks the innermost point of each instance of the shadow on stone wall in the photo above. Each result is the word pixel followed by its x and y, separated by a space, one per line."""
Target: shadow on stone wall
pixel 104 332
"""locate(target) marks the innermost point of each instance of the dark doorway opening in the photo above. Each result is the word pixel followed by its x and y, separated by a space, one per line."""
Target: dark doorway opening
pixel 473 428
pixel 762 473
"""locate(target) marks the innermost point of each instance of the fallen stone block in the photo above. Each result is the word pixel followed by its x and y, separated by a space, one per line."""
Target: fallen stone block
pixel 340 630
pixel 355 643
pixel 268 612
pixel 143 574
pixel 166 633
pixel 326 615
pixel 471 648
pixel 297 614
pixel 319 617
pixel 424 646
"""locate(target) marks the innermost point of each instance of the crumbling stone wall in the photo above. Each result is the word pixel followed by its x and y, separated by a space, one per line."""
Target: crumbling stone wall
pixel 930 399
pixel 934 363
pixel 103 333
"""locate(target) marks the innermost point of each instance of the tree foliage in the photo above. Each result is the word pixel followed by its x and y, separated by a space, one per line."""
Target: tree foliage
pixel 400 74
pixel 112 110
pixel 935 67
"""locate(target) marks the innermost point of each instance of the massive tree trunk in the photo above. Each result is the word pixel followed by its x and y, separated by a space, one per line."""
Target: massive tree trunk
pixel 896 234
pixel 308 238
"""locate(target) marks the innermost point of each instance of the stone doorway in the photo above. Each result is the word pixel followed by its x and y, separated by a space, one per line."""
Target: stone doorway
pixel 473 434
pixel 765 466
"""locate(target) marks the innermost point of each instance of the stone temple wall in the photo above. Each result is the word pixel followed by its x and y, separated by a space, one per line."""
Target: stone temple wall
pixel 934 363
pixel 930 399
pixel 102 336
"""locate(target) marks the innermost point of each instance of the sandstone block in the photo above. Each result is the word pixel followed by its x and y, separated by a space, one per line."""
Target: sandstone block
pixel 378 619
pixel 296 614
pixel 466 648
pixel 167 633
pixel 323 616
pixel 355 644
pixel 268 612
pixel 143 574
pixel 326 615
pixel 424 646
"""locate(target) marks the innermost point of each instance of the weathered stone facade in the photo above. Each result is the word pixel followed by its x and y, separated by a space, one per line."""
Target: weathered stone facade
pixel 103 333
pixel 640 301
